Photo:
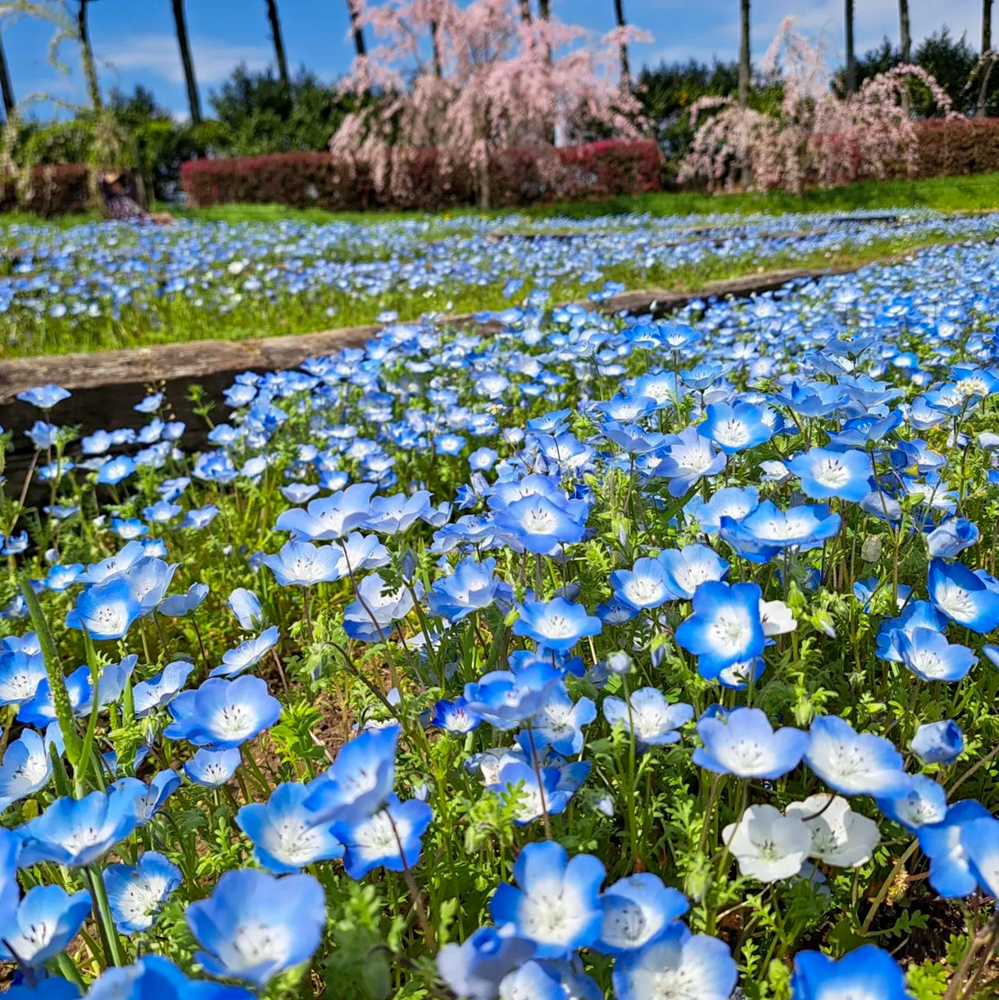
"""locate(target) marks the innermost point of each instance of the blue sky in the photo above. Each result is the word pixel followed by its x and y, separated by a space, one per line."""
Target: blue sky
pixel 135 42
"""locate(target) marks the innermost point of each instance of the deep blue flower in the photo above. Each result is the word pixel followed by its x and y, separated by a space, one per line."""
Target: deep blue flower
pixel 136 892
pixel 555 625
pixel 768 531
pixel 825 473
pixel 223 714
pixel 950 871
pixel 963 596
pixel 938 742
pixel 475 968
pixel 391 838
pixel 105 610
pixel 725 626
pixel 47 919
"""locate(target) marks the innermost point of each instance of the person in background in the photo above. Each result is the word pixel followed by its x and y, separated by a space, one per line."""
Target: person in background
pixel 118 201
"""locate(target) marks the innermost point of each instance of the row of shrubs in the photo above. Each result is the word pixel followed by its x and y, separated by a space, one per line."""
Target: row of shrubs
pixel 424 180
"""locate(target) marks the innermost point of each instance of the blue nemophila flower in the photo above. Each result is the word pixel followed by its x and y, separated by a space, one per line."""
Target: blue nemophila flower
pixel 155 978
pixel 284 832
pixel 161 688
pixel 730 501
pixel 854 763
pixel 455 716
pixel 534 797
pixel 768 531
pixel 931 657
pixel 746 745
pixel 223 714
pixel 725 627
pixel 555 903
pixel 329 518
pixel 689 457
pixel 687 568
pixel 115 470
pixel 245 605
pixel 963 596
pixel 951 538
pixel 378 607
pixel 21 672
pixel 868 971
pixel 469 587
pixel 980 843
pixel 559 721
pixel 149 579
pixel 543 982
pixel 951 874
pixel 105 610
pixel 361 779
pixel 915 615
pixel 212 768
pixel 44 396
pixel 60 578
pixel 180 605
pixel 77 832
pixel 47 919
pixel 255 926
pixel 736 427
pixel 938 742
pixel 136 892
pixel 149 799
pixel 636 910
pixel 391 838
pixel 541 524
pixel 825 473
pixel 397 513
pixel 924 802
pixel 302 564
pixel 647 714
pixel 505 699
pixel 26 769
pixel 678 964
pixel 475 968
pixel 555 625
pixel 642 586
pixel 247 654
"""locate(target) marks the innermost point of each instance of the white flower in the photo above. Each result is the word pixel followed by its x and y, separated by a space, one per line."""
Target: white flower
pixel 776 618
pixel 840 837
pixel 768 845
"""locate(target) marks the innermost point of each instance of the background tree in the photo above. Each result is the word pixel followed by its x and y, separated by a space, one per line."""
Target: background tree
pixel 184 44
pixel 355 26
pixel 988 63
pixel 278 40
pixel 9 104
pixel 622 25
pixel 850 74
pixel 904 34
pixel 744 57
pixel 87 55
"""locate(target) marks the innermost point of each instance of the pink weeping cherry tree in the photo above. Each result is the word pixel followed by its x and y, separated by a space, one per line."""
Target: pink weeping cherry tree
pixel 813 135
pixel 469 79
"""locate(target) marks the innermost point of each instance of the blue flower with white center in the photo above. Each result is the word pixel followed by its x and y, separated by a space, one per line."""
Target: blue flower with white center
pixel 746 745
pixel 212 768
pixel 396 514
pixel 825 473
pixel 378 607
pixel 520 782
pixel 540 524
pixel 155 978
pixel 161 688
pixel 923 803
pixel 559 721
pixel 223 714
pixel 391 838
pixel 302 564
pixel 931 657
pixel 555 903
pixel 255 926
pixel 61 578
pixel 938 742
pixel 149 799
pixel 651 719
pixel 980 844
pixel 455 716
pixel 730 501
pixel 105 610
pixel 26 768
pixel 469 587
pixel 725 627
pixel 285 835
pixel 475 968
pixel 181 605
pixel 247 654
pixel 21 673
pixel 636 910
pixel 245 605
pixel 506 700
pixel 689 457
pixel 643 586
pixel 78 832
pixel 44 396
pixel 963 596
pixel 128 528
pixel 47 919
pixel 329 518
pixel 149 579
pixel 162 512
pixel 767 531
pixel 735 428
pixel 555 625
pixel 200 518
pixel 361 779
pixel 534 981
pixel 868 971
pixel 853 763
pixel 482 459
pixel 915 615
pixel 676 965
pixel 687 568
pixel 136 892
pixel 951 874
pixel 115 470
pixel 40 710
pixel 951 538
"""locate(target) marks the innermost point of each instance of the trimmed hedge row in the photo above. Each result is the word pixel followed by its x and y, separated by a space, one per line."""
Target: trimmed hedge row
pixel 517 176
pixel 959 146
pixel 52 190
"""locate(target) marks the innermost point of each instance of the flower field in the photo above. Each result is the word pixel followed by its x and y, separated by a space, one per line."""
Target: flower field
pixel 594 657
pixel 100 287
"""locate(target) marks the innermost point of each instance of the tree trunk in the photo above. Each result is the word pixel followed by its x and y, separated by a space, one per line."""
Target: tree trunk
pixel 851 58
pixel 184 42
pixel 986 71
pixel 357 28
pixel 9 104
pixel 744 65
pixel 435 40
pixel 905 37
pixel 525 11
pixel 545 11
pixel 625 66
pixel 276 37
pixel 87 58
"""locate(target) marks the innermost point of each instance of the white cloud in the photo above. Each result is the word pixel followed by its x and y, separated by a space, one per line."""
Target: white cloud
pixel 158 55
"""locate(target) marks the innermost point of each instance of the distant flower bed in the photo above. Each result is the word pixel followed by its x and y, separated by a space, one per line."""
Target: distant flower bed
pixel 594 657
